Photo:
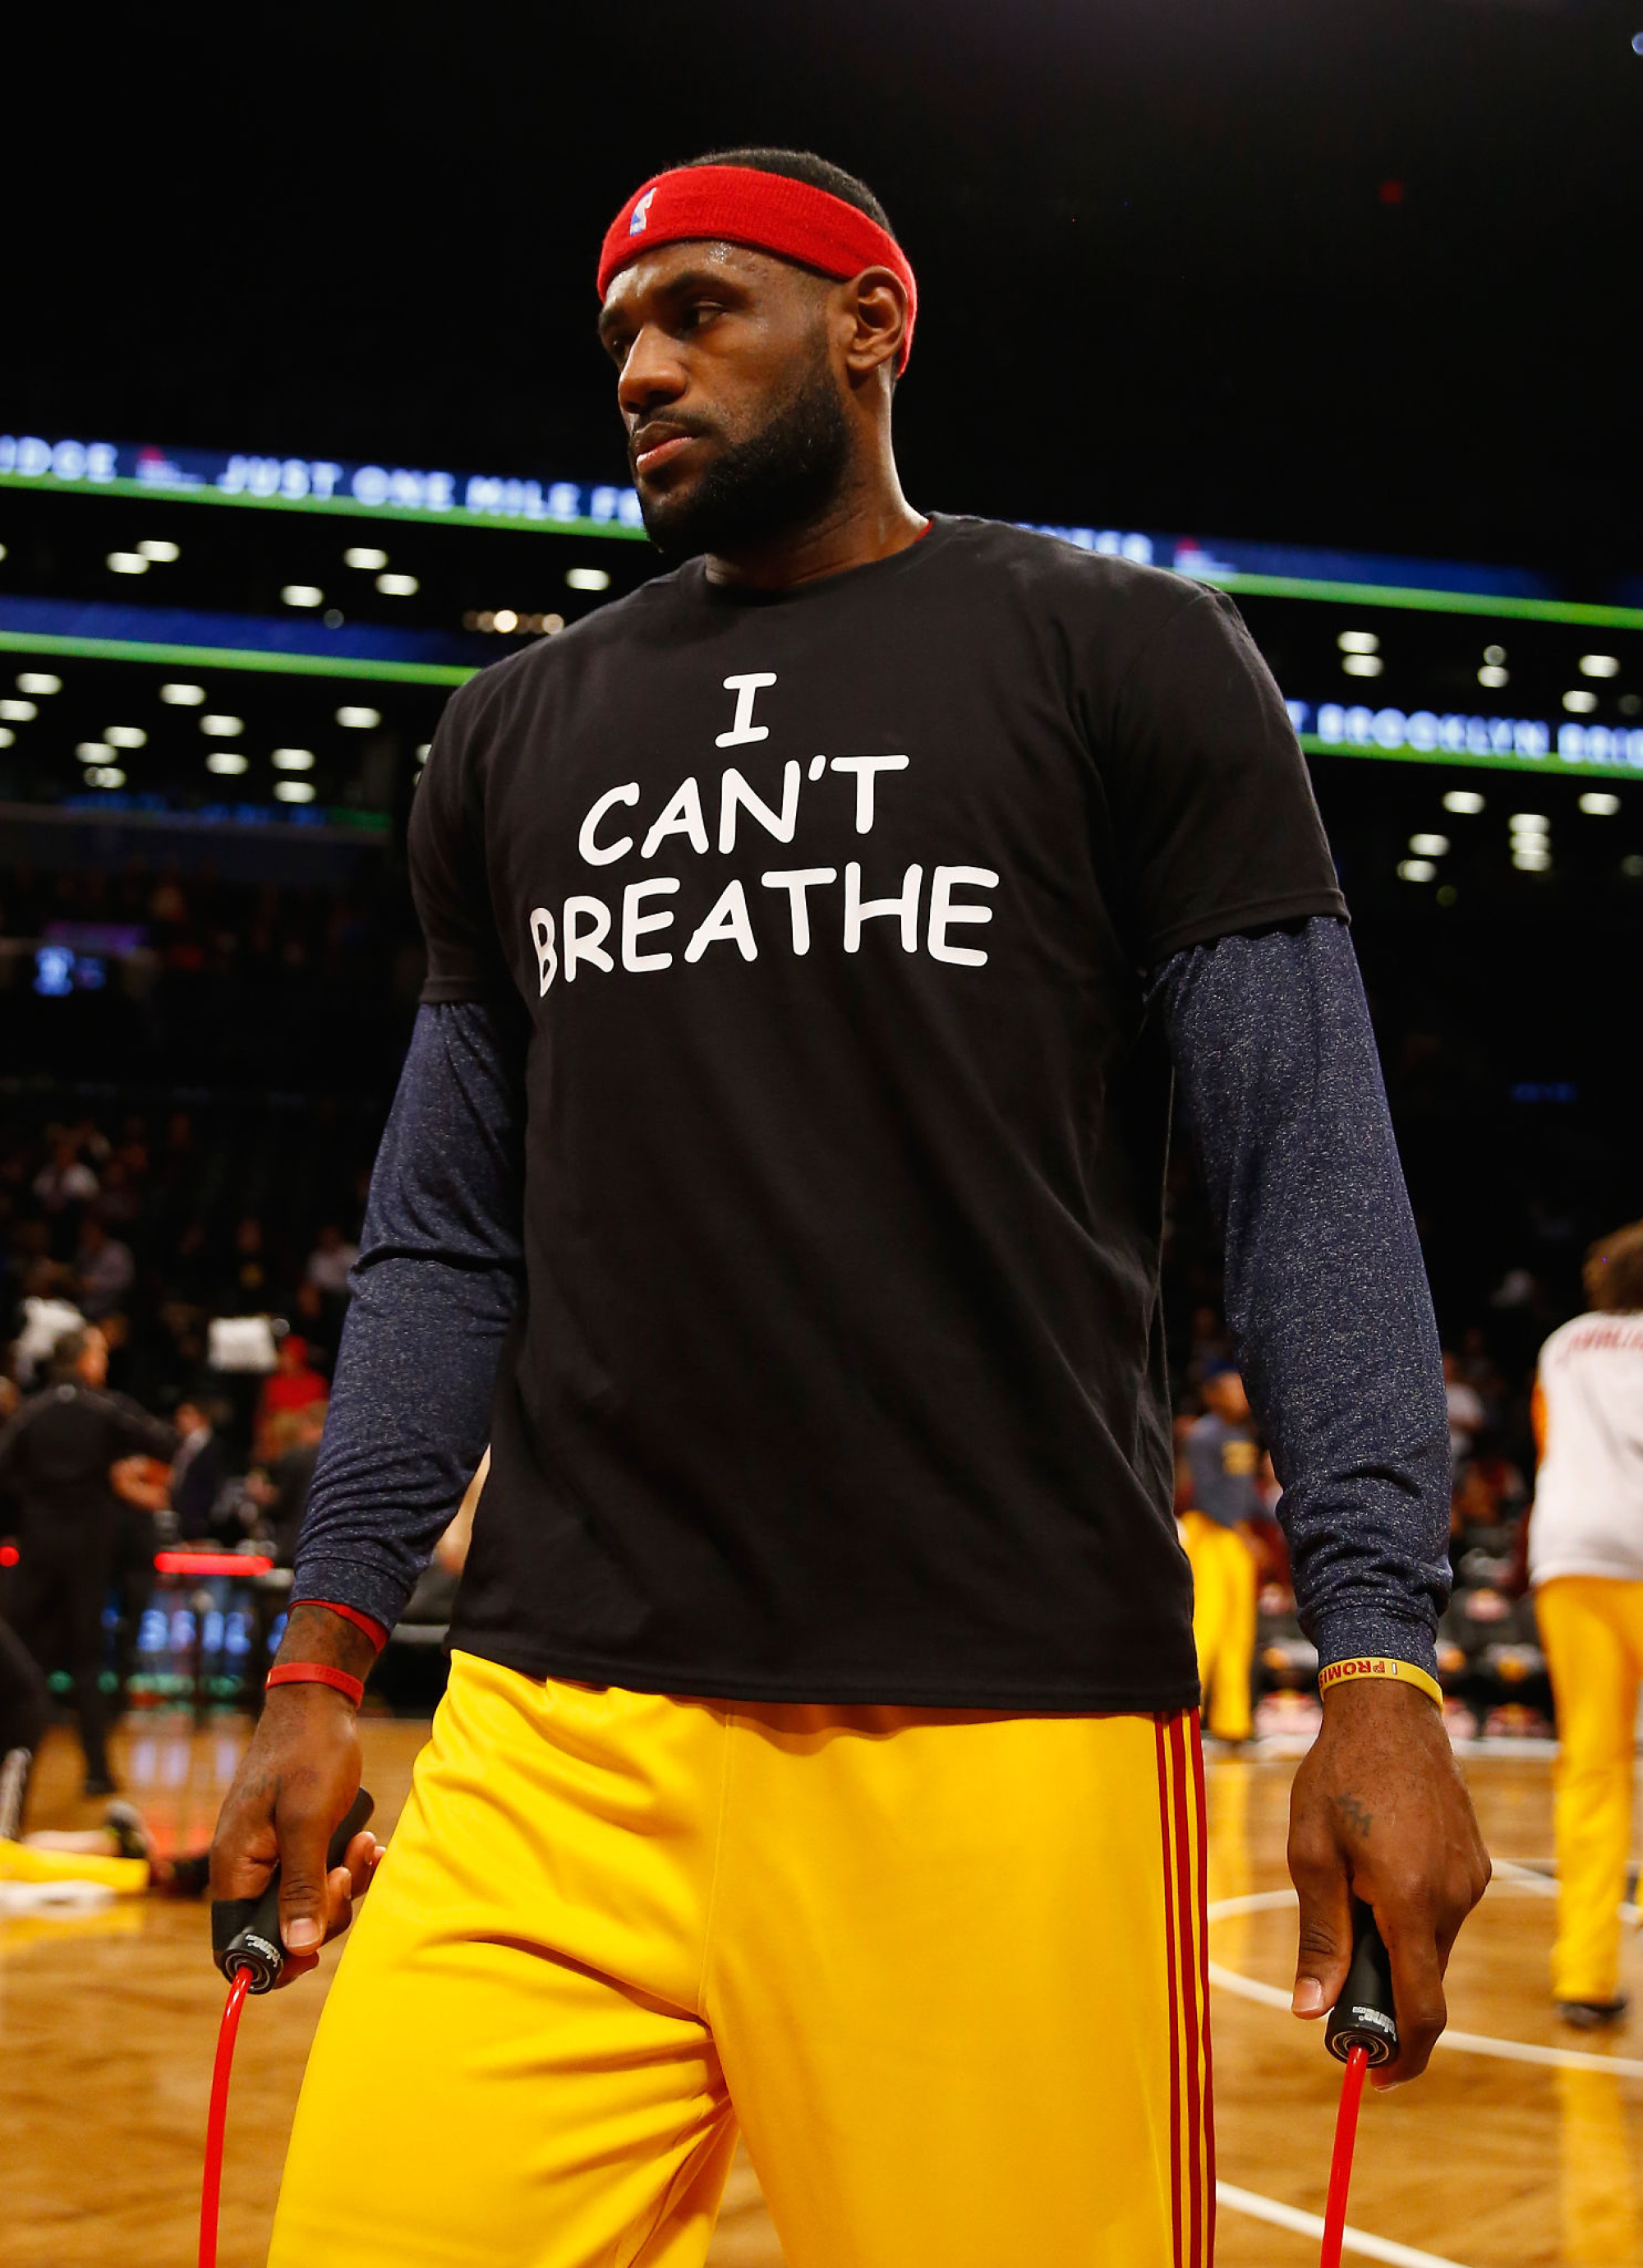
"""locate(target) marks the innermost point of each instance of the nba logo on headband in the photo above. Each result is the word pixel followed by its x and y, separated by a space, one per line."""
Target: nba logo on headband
pixel 637 225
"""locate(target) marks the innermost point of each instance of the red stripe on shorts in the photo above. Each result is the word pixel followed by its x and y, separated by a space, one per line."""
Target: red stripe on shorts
pixel 1203 1971
pixel 1171 1940
pixel 1189 1993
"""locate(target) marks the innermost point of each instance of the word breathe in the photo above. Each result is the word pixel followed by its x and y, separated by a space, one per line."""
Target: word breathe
pixel 594 932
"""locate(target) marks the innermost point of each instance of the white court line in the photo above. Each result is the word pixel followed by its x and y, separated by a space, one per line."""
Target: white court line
pixel 1310 2224
pixel 1272 1996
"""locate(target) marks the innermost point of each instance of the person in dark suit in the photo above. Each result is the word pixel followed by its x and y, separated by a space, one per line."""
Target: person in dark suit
pixel 197 1473
pixel 57 1461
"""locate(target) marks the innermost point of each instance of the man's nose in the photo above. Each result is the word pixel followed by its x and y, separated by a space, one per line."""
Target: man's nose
pixel 651 374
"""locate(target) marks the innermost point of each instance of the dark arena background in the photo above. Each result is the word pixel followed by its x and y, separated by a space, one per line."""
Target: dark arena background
pixel 305 423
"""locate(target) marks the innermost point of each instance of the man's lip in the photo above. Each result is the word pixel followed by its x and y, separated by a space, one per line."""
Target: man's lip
pixel 655 454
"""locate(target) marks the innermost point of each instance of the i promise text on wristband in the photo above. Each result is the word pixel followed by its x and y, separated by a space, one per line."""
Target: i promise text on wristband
pixel 1379 1665
pixel 317 1672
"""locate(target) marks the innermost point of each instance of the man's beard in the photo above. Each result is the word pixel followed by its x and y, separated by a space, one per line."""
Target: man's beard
pixel 774 479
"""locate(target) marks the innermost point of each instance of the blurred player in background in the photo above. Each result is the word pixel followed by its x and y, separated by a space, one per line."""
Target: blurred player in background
pixel 1586 1564
pixel 1223 1462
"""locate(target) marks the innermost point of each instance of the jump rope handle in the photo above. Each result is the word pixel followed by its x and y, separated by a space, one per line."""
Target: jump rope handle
pixel 1365 2016
pixel 245 1932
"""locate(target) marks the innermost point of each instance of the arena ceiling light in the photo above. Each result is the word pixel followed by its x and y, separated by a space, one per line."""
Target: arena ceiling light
pixel 94 752
pixel 158 551
pixel 1362 664
pixel 1598 804
pixel 1429 846
pixel 1359 642
pixel 127 563
pixel 359 720
pixel 7 736
pixel 293 760
pixel 1465 800
pixel 18 713
pixel 397 586
pixel 1580 700
pixel 424 751
pixel 105 775
pixel 294 791
pixel 1599 665
pixel 587 579
pixel 364 554
pixel 1416 870
pixel 183 696
pixel 227 761
pixel 38 681
pixel 1531 862
pixel 222 728
pixel 125 736
pixel 303 594
pixel 1530 822
pixel 1493 676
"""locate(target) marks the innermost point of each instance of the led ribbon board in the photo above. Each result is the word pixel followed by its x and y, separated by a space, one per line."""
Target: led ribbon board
pixel 571 507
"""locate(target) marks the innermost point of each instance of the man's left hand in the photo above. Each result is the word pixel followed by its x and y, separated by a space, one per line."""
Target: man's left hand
pixel 1379 1810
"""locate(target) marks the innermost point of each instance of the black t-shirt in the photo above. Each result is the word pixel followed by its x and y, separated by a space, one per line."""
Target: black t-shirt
pixel 840 1375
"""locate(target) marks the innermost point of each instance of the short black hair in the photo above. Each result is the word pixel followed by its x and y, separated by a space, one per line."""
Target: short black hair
pixel 805 166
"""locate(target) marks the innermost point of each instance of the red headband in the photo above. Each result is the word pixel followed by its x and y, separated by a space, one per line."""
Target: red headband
pixel 768 212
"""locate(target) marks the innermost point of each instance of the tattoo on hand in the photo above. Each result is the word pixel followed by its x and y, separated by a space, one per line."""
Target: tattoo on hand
pixel 1354 1816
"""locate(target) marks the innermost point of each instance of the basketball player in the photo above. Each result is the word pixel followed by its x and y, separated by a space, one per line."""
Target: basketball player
pixel 1586 1564
pixel 776 1182
pixel 1224 1466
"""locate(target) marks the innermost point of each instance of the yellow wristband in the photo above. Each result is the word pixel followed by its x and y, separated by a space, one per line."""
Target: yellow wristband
pixel 1379 1665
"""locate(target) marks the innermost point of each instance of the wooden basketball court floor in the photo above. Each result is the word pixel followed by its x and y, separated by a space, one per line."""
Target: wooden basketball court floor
pixel 1522 2149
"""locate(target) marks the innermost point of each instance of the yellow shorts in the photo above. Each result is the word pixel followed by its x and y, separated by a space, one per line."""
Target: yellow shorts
pixel 945 1968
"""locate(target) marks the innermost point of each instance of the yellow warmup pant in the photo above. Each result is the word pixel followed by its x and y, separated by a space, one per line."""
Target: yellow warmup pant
pixel 944 1969
pixel 1592 1631
pixel 1223 1622
pixel 26 1862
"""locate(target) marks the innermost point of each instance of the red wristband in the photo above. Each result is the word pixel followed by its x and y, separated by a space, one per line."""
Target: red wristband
pixel 317 1672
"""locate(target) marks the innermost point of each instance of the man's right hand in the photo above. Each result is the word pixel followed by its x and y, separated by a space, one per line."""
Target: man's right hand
pixel 295 1782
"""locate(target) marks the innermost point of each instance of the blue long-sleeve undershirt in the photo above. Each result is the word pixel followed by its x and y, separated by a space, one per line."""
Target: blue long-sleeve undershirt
pixel 1326 1294
pixel 439 1276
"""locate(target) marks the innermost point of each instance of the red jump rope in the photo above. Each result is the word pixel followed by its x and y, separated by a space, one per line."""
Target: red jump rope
pixel 1361 2030
pixel 247 1946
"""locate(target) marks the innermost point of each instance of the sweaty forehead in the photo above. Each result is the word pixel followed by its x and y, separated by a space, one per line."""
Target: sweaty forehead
pixel 674 266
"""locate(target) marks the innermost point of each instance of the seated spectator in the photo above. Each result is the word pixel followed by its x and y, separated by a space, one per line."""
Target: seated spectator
pixel 293 1386
pixel 46 1320
pixel 283 1495
pixel 329 1261
pixel 64 1180
pixel 197 1472
pixel 103 1269
pixel 247 1284
pixel 1466 1410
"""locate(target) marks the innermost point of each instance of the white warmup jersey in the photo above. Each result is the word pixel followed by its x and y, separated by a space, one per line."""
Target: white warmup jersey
pixel 1588 1497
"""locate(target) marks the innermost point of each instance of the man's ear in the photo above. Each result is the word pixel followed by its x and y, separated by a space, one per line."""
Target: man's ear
pixel 877 303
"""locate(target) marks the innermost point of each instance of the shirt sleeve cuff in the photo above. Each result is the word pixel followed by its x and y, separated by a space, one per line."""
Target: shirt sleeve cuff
pixel 372 1629
pixel 369 1594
